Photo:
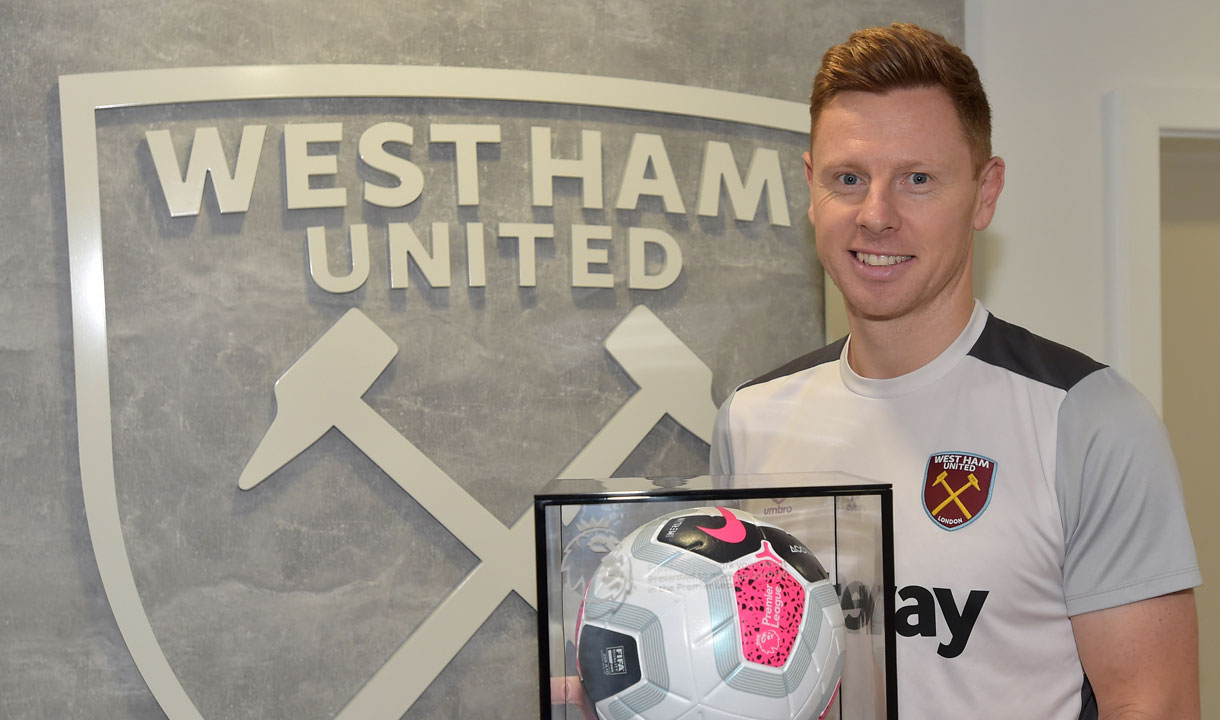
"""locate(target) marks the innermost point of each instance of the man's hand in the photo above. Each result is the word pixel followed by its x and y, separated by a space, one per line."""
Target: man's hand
pixel 1142 659
pixel 569 691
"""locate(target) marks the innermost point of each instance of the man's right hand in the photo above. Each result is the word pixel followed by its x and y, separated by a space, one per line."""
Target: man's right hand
pixel 569 691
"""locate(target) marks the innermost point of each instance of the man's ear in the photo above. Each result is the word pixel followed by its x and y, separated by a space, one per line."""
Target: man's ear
pixel 991 182
pixel 809 181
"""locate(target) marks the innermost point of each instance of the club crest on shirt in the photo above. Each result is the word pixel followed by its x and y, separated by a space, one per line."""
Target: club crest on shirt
pixel 957 488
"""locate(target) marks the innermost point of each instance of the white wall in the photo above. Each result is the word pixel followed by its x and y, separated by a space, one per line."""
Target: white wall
pixel 1047 65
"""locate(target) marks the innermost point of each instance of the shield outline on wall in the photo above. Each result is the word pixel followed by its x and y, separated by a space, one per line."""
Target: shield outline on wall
pixel 81 96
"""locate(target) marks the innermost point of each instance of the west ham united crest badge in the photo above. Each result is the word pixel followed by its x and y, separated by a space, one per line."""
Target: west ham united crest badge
pixel 957 488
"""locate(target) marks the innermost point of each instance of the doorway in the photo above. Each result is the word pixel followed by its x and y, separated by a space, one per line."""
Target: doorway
pixel 1190 327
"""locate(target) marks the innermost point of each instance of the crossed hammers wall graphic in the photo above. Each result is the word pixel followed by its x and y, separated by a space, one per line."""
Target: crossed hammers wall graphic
pixel 324 388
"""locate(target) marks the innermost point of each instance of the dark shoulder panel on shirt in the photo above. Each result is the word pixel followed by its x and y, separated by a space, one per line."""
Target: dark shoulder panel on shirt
pixel 829 353
pixel 1018 350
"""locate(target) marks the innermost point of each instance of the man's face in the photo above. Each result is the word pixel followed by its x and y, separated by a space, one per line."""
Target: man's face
pixel 894 202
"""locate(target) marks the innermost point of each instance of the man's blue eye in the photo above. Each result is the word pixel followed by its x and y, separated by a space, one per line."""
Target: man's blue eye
pixel 850 179
pixel 920 178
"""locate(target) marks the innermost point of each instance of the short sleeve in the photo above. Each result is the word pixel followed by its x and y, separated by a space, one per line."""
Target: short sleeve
pixel 1120 498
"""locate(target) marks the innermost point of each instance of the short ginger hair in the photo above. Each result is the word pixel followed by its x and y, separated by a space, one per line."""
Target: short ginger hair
pixel 900 57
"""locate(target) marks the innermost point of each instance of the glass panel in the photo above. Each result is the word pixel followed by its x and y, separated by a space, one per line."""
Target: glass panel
pixel 752 593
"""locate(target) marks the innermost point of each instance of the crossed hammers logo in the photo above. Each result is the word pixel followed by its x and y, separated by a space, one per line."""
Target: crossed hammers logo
pixel 324 388
pixel 971 482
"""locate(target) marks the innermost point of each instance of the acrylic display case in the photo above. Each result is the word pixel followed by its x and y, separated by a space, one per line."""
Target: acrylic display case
pixel 585 538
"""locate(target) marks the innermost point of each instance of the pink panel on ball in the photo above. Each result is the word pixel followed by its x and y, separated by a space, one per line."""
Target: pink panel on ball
pixel 770 605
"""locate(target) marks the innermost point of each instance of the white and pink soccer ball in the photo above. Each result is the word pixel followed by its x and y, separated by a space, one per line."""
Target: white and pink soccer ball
pixel 710 614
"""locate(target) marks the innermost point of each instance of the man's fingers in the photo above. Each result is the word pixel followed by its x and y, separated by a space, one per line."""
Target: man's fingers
pixel 569 691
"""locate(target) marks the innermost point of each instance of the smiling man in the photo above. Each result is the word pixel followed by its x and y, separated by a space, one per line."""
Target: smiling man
pixel 1043 562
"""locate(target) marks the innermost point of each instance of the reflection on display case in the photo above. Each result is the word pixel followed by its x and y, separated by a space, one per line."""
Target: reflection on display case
pixel 721 598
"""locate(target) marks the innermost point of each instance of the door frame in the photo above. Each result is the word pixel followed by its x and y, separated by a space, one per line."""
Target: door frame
pixel 1134 120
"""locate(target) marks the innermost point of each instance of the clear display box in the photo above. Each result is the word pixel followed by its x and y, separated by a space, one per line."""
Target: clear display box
pixel 749 596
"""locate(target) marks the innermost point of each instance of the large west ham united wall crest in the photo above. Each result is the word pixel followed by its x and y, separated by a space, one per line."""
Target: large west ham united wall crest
pixel 334 326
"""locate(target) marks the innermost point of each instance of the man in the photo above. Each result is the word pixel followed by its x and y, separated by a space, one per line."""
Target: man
pixel 1043 562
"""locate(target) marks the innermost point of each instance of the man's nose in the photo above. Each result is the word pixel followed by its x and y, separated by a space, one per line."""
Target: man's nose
pixel 877 212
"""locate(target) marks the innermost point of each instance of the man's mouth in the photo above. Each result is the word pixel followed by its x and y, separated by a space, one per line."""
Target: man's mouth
pixel 881 260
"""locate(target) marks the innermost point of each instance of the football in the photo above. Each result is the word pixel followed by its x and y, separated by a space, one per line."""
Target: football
pixel 711 614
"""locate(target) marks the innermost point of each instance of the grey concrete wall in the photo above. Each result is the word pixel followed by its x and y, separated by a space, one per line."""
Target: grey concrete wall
pixel 281 601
